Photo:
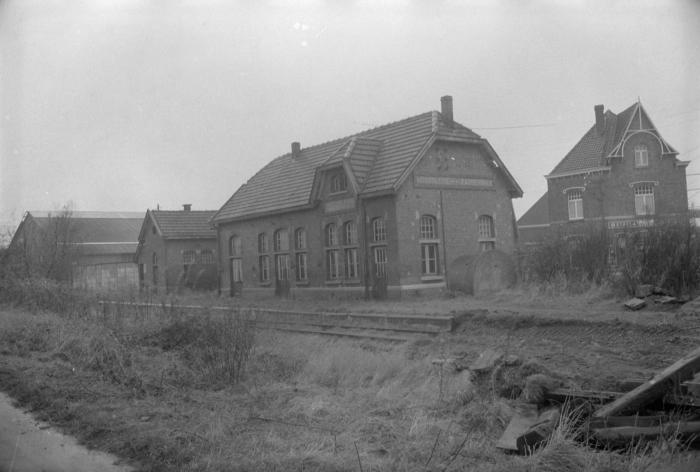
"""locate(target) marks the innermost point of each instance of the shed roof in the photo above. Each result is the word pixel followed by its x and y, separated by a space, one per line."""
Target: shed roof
pixel 378 159
pixel 538 214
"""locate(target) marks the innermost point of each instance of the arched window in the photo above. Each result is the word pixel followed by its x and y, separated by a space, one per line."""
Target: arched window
pixel 263 245
pixel 331 235
pixel 427 227
pixel 378 230
pixel 349 233
pixel 575 199
pixel 487 234
pixel 234 246
pixel 300 239
pixel 641 155
pixel 281 240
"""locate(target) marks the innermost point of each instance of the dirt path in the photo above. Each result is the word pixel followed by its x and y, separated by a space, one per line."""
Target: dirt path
pixel 28 445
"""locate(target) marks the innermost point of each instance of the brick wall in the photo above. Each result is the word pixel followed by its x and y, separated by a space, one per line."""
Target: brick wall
pixel 611 194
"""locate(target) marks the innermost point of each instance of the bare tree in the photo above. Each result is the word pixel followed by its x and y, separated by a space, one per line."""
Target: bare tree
pixel 44 247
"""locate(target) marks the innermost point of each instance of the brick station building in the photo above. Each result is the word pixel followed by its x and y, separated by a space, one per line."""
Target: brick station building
pixel 177 249
pixel 622 173
pixel 389 207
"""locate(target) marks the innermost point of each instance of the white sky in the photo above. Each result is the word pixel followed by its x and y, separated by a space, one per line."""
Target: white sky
pixel 123 105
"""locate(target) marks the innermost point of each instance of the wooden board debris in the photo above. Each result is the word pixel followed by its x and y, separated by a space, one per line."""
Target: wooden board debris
pixel 624 434
pixel 528 428
pixel 655 388
pixel 486 361
pixel 635 304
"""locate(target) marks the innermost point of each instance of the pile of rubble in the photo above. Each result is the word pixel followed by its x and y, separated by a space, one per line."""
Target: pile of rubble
pixel 668 405
pixel 648 293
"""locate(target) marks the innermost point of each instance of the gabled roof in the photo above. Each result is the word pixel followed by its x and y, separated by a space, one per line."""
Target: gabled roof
pixel 181 224
pixel 538 214
pixel 377 158
pixel 594 149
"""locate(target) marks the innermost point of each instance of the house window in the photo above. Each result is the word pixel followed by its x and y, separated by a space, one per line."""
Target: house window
pixel 155 270
pixel 300 239
pixel 281 240
pixel 380 261
pixel 641 155
pixel 264 263
pixel 644 199
pixel 332 264
pixel 282 266
pixel 429 264
pixel 263 244
pixel 428 246
pixel 339 182
pixel 350 253
pixel 351 263
pixel 331 235
pixel 487 233
pixel 263 259
pixel 427 227
pixel 349 233
pixel 300 257
pixel 234 246
pixel 207 256
pixel 575 198
pixel 188 257
pixel 234 252
pixel 378 230
pixel 301 267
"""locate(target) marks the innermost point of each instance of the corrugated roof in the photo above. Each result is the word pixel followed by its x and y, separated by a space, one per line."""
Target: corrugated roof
pixel 184 224
pixel 99 249
pixel 96 227
pixel 378 157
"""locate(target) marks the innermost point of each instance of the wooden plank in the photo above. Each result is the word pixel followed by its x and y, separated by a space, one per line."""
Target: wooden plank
pixel 562 395
pixel 655 388
pixel 623 434
pixel 524 418
pixel 635 420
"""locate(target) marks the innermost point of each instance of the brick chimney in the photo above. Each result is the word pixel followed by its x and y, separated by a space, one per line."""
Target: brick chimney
pixel 446 110
pixel 296 150
pixel 187 207
pixel 599 119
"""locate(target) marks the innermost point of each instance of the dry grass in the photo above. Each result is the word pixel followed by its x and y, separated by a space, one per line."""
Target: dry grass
pixel 149 386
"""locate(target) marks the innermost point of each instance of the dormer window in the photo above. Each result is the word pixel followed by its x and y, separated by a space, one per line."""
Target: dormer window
pixel 641 155
pixel 339 182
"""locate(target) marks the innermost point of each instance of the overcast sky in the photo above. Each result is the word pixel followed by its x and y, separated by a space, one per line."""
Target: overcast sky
pixel 125 105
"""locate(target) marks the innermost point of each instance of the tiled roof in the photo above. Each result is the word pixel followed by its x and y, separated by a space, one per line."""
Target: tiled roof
pixel 593 149
pixel 184 224
pixel 377 157
pixel 538 214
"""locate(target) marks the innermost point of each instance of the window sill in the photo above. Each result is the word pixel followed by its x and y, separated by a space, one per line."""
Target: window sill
pixel 432 278
pixel 265 284
pixel 334 282
pixel 302 283
pixel 576 219
pixel 378 243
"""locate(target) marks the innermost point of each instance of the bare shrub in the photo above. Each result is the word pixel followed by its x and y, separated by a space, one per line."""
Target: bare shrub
pixel 218 347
